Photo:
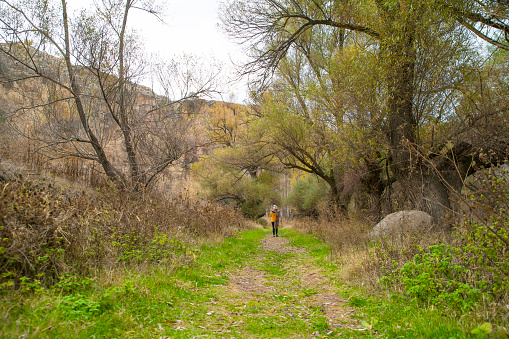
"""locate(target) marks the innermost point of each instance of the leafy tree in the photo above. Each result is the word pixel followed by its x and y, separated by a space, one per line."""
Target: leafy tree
pixel 226 178
pixel 308 194
pixel 415 58
pixel 240 169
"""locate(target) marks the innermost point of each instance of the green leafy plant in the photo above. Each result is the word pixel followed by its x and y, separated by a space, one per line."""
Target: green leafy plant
pixel 470 271
pixel 307 194
pixel 435 276
pixel 50 232
pixel 483 329
pixel 78 306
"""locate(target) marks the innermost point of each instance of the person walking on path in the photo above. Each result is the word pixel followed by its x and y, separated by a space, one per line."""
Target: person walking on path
pixel 275 218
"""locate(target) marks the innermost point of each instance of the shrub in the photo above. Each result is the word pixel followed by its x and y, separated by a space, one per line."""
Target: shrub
pixel 465 271
pixel 485 237
pixel 308 194
pixel 262 222
pixel 473 268
pixel 47 231
pixel 253 209
pixel 435 276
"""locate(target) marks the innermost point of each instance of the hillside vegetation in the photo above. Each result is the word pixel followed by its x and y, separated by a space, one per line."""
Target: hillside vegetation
pixel 49 232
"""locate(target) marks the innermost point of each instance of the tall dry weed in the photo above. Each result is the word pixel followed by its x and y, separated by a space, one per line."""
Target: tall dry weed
pixel 47 231
pixel 363 258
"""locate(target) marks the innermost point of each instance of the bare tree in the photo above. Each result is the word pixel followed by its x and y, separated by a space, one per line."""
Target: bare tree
pixel 87 66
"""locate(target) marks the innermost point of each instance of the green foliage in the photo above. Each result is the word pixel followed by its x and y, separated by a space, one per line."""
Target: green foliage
pixel 49 232
pixel 473 270
pixel 79 307
pixel 358 301
pixel 262 222
pixel 486 238
pixel 399 318
pixel 483 329
pixel 196 299
pixel 253 209
pixel 435 276
pixel 71 284
pixel 133 299
pixel 30 285
pixel 307 195
pixel 225 178
pixel 160 249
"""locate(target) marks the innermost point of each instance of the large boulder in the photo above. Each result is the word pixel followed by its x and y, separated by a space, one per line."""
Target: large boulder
pixel 403 222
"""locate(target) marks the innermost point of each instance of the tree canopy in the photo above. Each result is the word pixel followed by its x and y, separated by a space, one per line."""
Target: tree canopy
pixel 366 94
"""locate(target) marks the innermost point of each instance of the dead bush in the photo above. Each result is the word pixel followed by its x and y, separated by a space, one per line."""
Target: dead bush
pixel 47 231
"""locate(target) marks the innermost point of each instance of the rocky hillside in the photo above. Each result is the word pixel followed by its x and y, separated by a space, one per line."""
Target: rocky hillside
pixel 45 125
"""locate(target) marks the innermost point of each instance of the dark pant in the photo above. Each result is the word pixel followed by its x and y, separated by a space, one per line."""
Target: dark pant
pixel 274 228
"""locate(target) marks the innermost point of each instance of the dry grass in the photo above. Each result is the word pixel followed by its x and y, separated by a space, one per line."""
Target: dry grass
pixel 362 258
pixel 349 243
pixel 70 220
pixel 47 231
pixel 467 270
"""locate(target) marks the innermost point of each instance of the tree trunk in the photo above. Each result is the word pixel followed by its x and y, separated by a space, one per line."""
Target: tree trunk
pixel 123 109
pixel 110 171
pixel 401 121
pixel 423 188
pixel 374 186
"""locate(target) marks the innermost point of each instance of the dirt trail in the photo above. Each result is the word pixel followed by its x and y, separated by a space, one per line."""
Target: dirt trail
pixel 284 283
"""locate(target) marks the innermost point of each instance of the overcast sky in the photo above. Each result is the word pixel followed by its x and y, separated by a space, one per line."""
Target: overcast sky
pixel 191 27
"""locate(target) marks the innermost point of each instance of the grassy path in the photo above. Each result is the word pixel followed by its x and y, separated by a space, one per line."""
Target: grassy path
pixel 280 292
pixel 252 286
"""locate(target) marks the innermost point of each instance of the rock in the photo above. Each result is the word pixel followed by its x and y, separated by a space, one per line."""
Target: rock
pixel 403 222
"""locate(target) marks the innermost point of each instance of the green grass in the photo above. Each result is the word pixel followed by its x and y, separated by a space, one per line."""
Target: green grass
pixel 198 300
pixel 403 320
pixel 136 305
pixel 311 243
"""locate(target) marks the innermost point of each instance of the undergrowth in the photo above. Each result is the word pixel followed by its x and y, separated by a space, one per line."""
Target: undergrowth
pixel 465 274
pixel 47 231
pixel 131 302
